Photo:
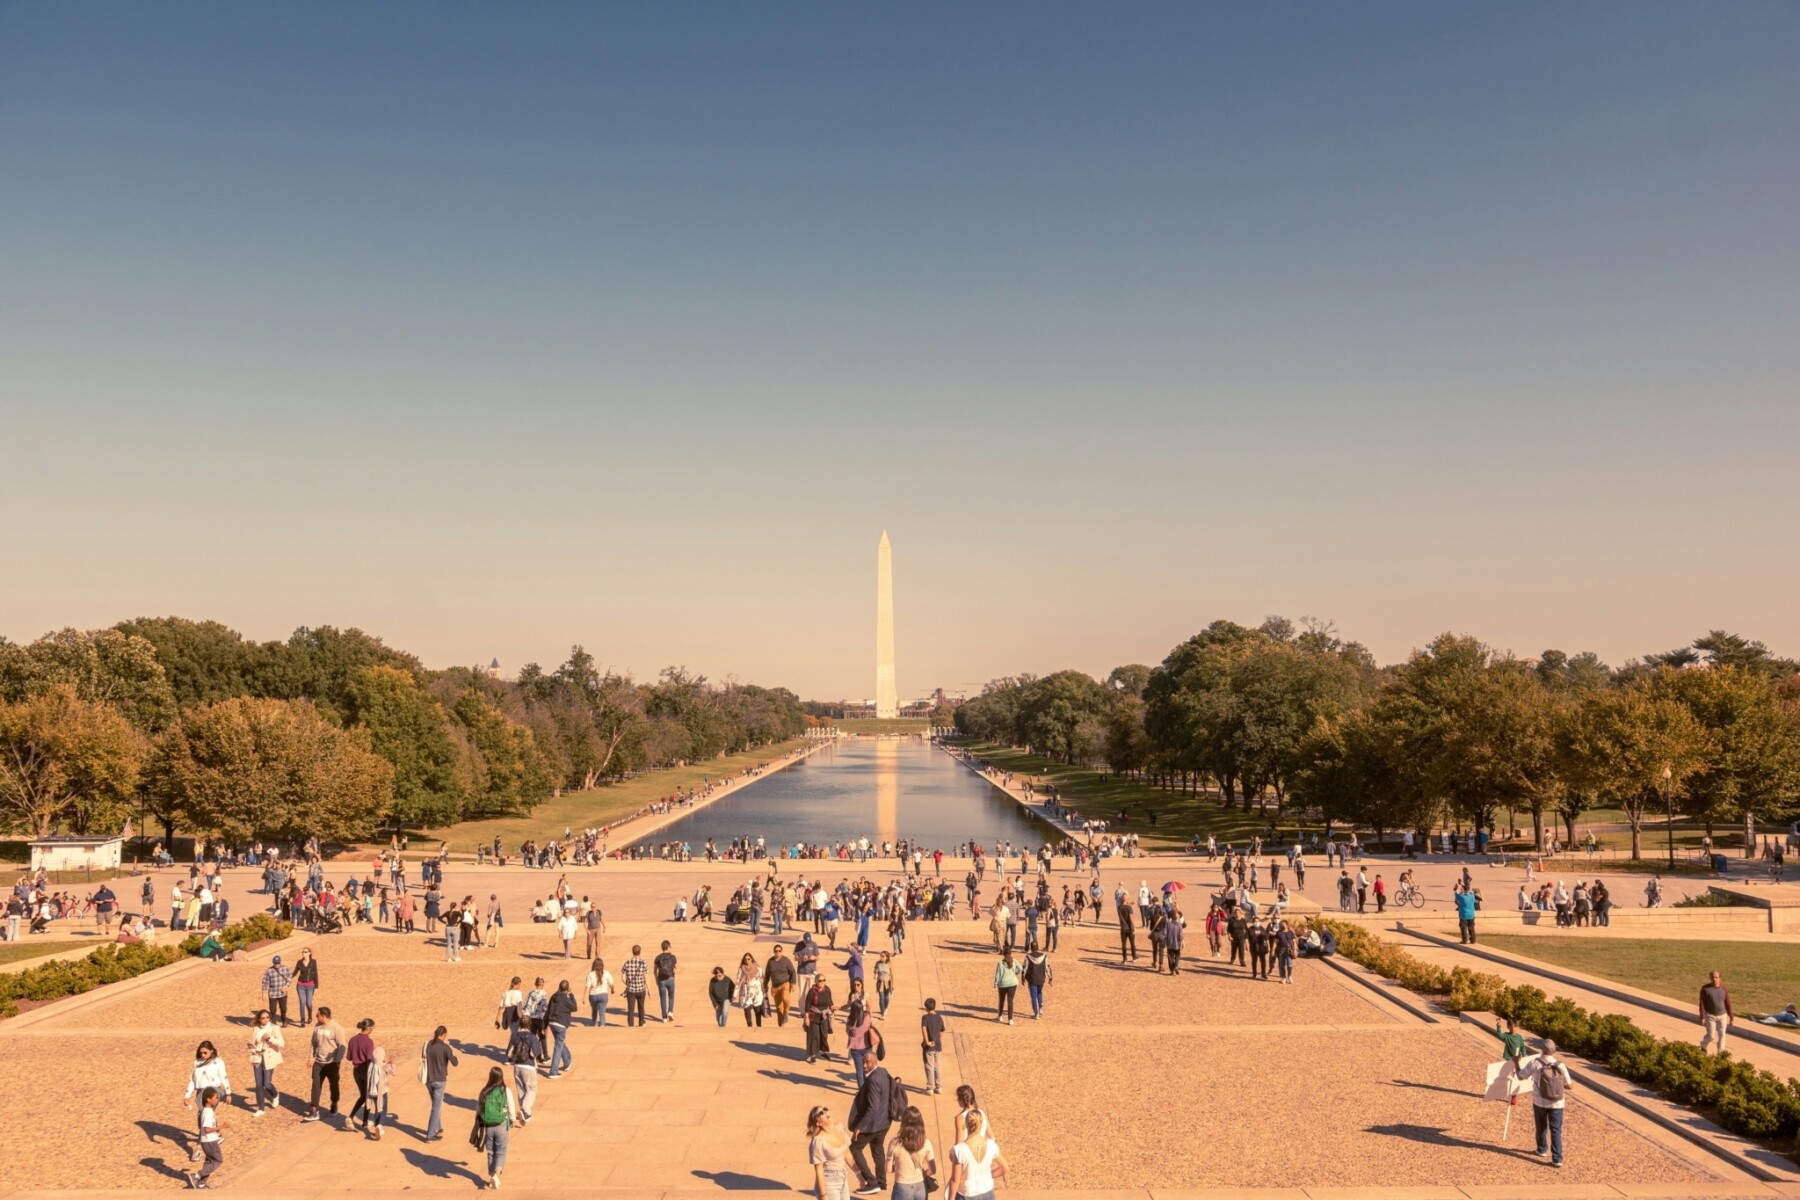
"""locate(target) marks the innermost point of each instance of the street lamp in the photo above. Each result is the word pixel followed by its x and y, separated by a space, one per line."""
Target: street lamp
pixel 1669 800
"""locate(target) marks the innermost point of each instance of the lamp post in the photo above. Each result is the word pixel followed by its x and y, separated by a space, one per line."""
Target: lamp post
pixel 1669 800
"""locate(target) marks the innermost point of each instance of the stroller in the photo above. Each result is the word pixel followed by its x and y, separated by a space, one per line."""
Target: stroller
pixel 329 922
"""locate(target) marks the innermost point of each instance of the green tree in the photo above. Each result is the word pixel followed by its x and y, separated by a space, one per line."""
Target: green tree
pixel 1129 680
pixel 1755 765
pixel 250 768
pixel 411 731
pixel 66 761
pixel 1616 745
pixel 102 666
pixel 321 665
pixel 204 661
pixel 512 775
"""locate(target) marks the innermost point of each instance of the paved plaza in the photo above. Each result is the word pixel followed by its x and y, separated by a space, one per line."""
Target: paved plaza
pixel 1132 1081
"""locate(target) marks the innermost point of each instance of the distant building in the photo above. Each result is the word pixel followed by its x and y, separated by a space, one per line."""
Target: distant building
pixel 859 710
pixel 493 670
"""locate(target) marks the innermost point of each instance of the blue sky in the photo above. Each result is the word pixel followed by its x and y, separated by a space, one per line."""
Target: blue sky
pixel 496 329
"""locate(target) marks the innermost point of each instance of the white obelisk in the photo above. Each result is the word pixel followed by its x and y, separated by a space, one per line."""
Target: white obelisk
pixel 887 703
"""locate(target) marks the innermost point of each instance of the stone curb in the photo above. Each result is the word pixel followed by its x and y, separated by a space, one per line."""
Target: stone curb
pixel 1393 993
pixel 1613 991
pixel 109 991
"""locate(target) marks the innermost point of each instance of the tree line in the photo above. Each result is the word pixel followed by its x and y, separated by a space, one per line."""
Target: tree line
pixel 1296 718
pixel 330 732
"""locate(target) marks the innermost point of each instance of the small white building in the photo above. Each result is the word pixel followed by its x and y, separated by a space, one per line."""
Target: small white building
pixel 74 852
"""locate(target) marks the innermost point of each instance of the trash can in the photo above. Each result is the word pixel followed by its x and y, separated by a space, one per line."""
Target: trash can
pixel 1719 864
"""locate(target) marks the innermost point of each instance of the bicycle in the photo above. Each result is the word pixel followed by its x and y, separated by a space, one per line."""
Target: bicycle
pixel 1410 894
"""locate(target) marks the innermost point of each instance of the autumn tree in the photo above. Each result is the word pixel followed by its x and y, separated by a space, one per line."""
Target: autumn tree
pixel 247 768
pixel 66 762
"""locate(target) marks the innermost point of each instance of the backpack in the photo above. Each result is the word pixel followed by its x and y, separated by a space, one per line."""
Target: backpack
pixel 1550 1083
pixel 493 1106
pixel 898 1101
pixel 424 1065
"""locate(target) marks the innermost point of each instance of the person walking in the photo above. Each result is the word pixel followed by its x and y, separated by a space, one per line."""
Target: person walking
pixel 665 983
pixel 266 1044
pixel 911 1158
pixel 720 991
pixel 827 1148
pixel 976 1161
pixel 870 1118
pixel 1287 944
pixel 636 973
pixel 1174 932
pixel 1465 914
pixel 276 980
pixel 438 1056
pixel 1716 1016
pixel 931 1045
pixel 1006 985
pixel 210 1128
pixel 523 1050
pixel 498 1116
pixel 778 984
pixel 380 1076
pixel 563 1007
pixel 327 1060
pixel 1550 1083
pixel 1127 934
pixel 599 991
pixel 360 1053
pixel 306 984
pixel 208 1072
pixel 566 928
pixel 749 990
pixel 818 1008
pixel 596 929
pixel 1037 975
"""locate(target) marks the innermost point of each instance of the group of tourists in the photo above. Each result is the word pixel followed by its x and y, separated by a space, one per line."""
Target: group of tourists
pixel 1588 904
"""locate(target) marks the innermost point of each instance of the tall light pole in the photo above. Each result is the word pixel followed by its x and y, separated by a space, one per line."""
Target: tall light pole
pixel 1669 800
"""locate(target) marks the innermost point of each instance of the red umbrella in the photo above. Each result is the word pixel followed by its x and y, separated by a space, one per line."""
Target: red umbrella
pixel 1174 885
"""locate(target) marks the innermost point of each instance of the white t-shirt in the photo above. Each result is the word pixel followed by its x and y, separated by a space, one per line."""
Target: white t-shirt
pixel 601 985
pixel 978 1177
pixel 209 1124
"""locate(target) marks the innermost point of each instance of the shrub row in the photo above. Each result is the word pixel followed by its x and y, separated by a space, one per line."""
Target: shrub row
pixel 1742 1097
pixel 110 964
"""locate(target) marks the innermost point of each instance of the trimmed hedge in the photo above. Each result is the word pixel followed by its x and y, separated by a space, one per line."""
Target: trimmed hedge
pixel 113 963
pixel 1743 1098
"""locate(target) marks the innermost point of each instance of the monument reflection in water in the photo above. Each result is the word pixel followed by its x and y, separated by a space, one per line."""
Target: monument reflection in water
pixel 864 787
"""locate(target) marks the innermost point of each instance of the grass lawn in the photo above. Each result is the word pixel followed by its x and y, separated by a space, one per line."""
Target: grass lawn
pixel 603 805
pixel 16 952
pixel 1092 794
pixel 1762 977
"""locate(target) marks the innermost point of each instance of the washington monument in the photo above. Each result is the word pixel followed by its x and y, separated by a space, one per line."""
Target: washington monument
pixel 887 703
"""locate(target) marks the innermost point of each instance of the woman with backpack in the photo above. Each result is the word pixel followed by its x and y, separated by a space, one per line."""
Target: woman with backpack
pixel 495 1119
pixel 1006 983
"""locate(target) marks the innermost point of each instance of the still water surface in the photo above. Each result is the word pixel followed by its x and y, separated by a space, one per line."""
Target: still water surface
pixel 883 788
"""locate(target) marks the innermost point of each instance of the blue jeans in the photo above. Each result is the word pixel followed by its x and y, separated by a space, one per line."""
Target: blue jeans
pixel 597 1008
pixel 665 994
pixel 1548 1121
pixel 452 934
pixel 883 995
pixel 435 1125
pixel 265 1094
pixel 1037 997
pixel 719 1012
pixel 559 1055
pixel 304 992
pixel 496 1148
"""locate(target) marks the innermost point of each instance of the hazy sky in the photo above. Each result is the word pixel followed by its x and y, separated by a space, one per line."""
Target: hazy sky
pixel 494 328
